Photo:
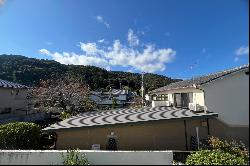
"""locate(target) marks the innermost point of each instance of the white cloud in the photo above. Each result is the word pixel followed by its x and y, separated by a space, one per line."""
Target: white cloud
pixel 89 48
pixel 148 59
pixel 100 19
pixel 44 52
pixel 243 50
pixel 101 41
pixel 132 38
pixel 72 58
pixel 2 2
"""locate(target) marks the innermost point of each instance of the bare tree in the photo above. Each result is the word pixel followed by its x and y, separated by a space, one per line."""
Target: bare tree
pixel 63 95
pixel 136 102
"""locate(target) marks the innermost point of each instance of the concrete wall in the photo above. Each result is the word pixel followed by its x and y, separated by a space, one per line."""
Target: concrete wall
pixel 158 135
pixel 229 97
pixel 94 157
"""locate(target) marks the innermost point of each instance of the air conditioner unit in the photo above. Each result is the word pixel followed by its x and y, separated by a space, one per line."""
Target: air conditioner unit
pixel 199 108
pixel 195 107
pixel 191 106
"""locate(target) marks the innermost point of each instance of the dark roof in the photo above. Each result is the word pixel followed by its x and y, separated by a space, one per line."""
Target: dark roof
pixel 200 80
pixel 8 84
pixel 126 115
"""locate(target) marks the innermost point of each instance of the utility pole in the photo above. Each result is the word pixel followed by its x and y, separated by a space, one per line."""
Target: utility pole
pixel 142 90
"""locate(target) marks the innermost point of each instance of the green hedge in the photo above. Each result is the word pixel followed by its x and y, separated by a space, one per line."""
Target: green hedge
pixel 214 157
pixel 20 135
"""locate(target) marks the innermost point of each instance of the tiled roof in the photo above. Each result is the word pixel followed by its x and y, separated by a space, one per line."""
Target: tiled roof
pixel 7 84
pixel 122 116
pixel 119 92
pixel 116 92
pixel 200 80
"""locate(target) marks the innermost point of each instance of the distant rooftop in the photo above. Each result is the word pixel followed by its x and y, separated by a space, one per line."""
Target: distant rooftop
pixel 8 84
pixel 200 80
pixel 117 92
pixel 126 115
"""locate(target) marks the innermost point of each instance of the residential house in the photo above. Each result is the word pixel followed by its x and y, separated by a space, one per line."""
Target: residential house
pixel 225 93
pixel 14 105
pixel 106 99
pixel 183 115
pixel 12 98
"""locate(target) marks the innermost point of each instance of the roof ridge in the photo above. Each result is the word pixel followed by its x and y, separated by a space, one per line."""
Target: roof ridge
pixel 199 80
pixel 221 71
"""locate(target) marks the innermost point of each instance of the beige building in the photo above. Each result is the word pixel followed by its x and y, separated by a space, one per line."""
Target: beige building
pixel 159 128
pixel 225 93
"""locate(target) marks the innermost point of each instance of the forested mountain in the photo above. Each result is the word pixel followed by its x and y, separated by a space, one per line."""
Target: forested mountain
pixel 30 71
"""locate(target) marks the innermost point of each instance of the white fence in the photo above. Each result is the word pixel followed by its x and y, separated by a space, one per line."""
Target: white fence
pixel 49 157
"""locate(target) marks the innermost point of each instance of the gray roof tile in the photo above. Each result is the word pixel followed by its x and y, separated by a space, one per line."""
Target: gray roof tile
pixel 126 115
pixel 8 84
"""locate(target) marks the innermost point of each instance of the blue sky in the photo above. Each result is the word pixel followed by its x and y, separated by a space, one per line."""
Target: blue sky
pixel 177 38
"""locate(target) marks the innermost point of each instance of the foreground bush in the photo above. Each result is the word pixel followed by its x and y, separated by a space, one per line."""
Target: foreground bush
pixel 19 135
pixel 214 157
pixel 237 148
pixel 220 152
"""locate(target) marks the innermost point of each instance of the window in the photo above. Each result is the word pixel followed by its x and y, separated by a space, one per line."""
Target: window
pixel 162 97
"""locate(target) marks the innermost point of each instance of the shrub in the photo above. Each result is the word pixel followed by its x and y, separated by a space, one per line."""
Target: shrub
pixel 232 147
pixel 214 157
pixel 19 135
pixel 220 152
pixel 114 103
pixel 74 157
pixel 65 115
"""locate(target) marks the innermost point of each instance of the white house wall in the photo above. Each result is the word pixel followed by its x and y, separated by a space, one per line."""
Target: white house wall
pixel 230 98
pixel 198 98
pixel 198 95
